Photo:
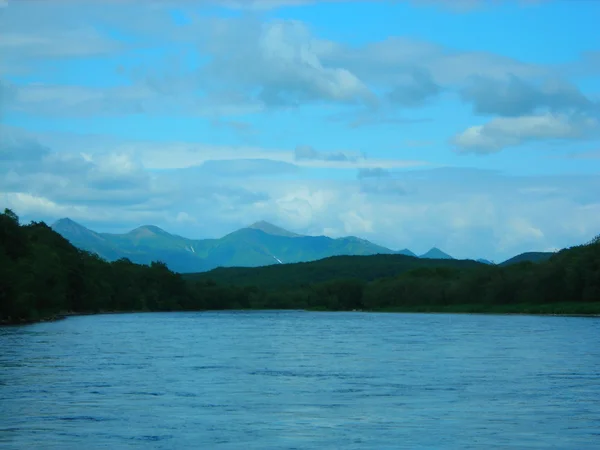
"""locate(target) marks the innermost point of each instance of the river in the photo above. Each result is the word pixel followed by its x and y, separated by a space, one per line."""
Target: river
pixel 301 380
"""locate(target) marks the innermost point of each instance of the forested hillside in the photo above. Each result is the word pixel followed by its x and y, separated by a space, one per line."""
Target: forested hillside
pixel 43 275
pixel 363 268
pixel 534 257
pixel 568 282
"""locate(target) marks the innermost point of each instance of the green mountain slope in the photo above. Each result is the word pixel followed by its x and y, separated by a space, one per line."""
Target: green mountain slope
pixel 87 239
pixel 534 257
pixel 363 268
pixel 250 247
pixel 567 282
pixel 259 244
pixel 141 246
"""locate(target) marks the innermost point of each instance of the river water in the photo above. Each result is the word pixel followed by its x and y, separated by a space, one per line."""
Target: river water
pixel 301 380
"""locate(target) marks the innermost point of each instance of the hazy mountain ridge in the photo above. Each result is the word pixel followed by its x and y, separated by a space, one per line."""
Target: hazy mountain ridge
pixel 259 244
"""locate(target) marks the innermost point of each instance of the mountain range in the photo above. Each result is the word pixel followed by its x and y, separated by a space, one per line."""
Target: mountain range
pixel 259 244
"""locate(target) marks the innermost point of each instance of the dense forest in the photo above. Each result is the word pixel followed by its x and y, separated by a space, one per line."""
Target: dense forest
pixel 363 268
pixel 43 276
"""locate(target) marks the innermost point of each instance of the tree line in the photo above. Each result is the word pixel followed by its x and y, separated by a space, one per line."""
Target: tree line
pixel 42 275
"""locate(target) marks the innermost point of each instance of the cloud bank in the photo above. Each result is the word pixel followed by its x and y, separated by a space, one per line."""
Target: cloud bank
pixel 257 110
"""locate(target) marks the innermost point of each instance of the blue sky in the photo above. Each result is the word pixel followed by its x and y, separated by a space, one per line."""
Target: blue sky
pixel 470 125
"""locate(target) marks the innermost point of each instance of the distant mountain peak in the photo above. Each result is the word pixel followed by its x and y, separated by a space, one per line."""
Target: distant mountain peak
pixel 436 253
pixel 72 230
pixel 148 231
pixel 269 228
pixel 65 221
pixel 69 225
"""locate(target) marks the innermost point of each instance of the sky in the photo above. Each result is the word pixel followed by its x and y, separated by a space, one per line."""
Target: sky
pixel 469 125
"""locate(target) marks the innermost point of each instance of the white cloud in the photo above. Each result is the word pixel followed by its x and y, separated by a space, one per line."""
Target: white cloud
pixel 30 168
pixel 356 223
pixel 505 132
pixel 254 65
pixel 401 60
pixel 514 96
pixel 182 155
pixel 481 214
pixel 281 60
pixel 32 204
pixel 59 44
pixel 520 231
pixel 487 218
pixel 185 218
pixel 593 154
pixel 124 175
pixel 137 98
pixel 303 206
pixel 308 153
pixel 376 172
pixel 250 65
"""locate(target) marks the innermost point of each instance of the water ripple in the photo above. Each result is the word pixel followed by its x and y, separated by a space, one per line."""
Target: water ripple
pixel 257 380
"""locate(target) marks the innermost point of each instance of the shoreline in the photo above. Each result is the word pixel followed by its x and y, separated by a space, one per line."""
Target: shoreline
pixel 63 316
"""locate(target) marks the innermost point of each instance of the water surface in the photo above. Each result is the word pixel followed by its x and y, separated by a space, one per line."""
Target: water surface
pixel 301 380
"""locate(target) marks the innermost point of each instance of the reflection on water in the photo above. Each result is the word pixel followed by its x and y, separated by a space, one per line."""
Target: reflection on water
pixel 258 380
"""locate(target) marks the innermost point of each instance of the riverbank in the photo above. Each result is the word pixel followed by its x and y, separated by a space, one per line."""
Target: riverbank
pixel 61 316
pixel 567 309
pixel 15 322
pixel 558 309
